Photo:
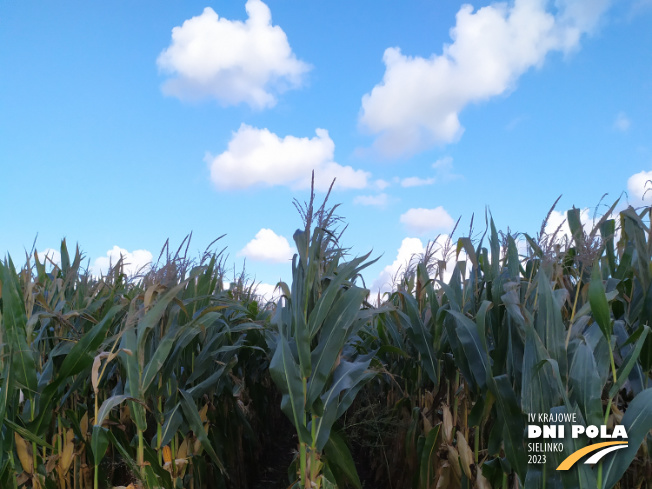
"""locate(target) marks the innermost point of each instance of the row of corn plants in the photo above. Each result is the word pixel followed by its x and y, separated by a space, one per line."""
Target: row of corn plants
pixel 563 328
pixel 115 382
pixel 167 380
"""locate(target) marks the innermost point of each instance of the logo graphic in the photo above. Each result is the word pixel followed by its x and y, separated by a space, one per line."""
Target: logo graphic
pixel 601 448
pixel 552 429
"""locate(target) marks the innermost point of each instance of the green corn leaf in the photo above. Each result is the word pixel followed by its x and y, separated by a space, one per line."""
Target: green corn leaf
pixel 575 225
pixel 494 244
pixel 6 385
pixel 27 434
pixel 481 322
pixel 513 260
pixel 540 383
pixel 340 461
pixel 99 443
pixel 607 232
pixel 459 352
pixel 348 378
pixel 126 454
pixel 599 304
pixel 194 421
pixel 65 257
pixel 285 374
pixel 14 320
pixel 331 340
pixel 212 382
pixel 82 354
pixel 108 405
pixel 549 324
pixel 344 273
pixel 156 475
pixel 636 231
pixel 173 421
pixel 638 423
pixel 474 351
pixel 157 360
pixel 419 335
pixel 630 360
pixel 585 382
pixel 514 423
pixel 426 464
pixel 466 244
pixel 129 360
pixel 153 316
pixel 299 324
pixel 581 476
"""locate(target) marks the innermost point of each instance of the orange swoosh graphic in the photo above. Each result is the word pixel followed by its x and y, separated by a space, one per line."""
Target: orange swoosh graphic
pixel 575 456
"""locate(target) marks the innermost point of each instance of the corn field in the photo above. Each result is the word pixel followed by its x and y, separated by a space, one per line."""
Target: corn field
pixel 170 380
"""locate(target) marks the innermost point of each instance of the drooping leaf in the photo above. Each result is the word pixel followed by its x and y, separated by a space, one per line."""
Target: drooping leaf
pixel 339 459
pixel 14 320
pixel 599 304
pixel 638 423
pixel 332 338
pixel 285 373
pixel 191 414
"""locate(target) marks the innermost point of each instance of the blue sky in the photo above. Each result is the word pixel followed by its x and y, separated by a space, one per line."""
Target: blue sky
pixel 124 124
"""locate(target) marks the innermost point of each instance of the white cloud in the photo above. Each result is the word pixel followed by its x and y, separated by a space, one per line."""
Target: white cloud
pixel 379 200
pixel 622 122
pixel 638 184
pixel 422 221
pixel 49 256
pixel 260 157
pixel 408 255
pixel 417 181
pixel 444 170
pixel 556 219
pixel 268 246
pixel 381 184
pixel 267 292
pixel 136 261
pixel 231 61
pixel 443 174
pixel 418 102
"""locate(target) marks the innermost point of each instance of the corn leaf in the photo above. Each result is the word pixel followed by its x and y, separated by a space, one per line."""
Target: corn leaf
pixel 194 421
pixel 599 304
pixel 340 461
pixel 638 423
pixel 14 320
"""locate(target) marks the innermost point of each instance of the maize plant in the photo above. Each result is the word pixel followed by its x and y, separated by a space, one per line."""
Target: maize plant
pixel 315 364
pixel 107 381
pixel 166 380
pixel 564 329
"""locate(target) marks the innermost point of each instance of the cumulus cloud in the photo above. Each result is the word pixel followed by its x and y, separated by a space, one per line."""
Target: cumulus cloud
pixel 268 246
pixel 379 200
pixel 443 174
pixel 557 219
pixel 444 170
pixel 417 181
pixel 267 292
pixel 260 157
pixel 419 100
pixel 232 61
pixel 421 221
pixel 135 262
pixel 638 186
pixel 622 122
pixel 408 256
pixel 49 256
pixel 381 184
